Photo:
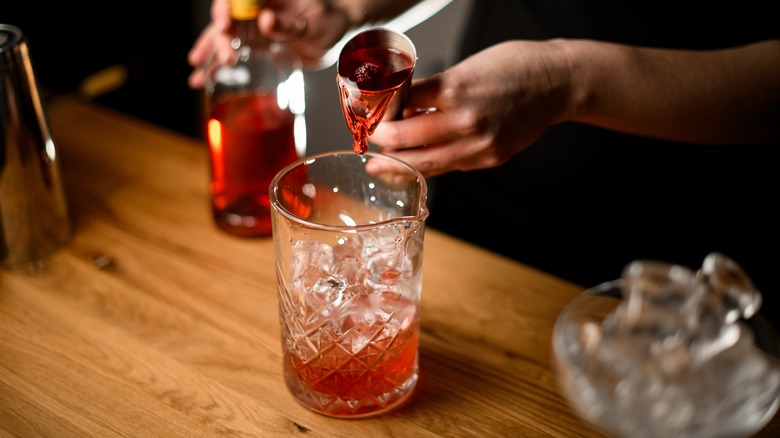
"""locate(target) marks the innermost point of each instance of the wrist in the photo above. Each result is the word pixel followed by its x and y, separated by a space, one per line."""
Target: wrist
pixel 600 75
pixel 572 62
pixel 351 13
pixel 366 12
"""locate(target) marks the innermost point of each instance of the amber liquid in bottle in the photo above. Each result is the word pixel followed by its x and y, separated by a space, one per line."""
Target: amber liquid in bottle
pixel 250 130
pixel 250 139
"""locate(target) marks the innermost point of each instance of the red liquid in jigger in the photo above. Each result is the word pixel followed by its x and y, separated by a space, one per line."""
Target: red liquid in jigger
pixel 250 139
pixel 368 80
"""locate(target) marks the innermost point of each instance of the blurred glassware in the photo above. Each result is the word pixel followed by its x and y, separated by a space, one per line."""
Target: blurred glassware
pixel 34 218
pixel 665 351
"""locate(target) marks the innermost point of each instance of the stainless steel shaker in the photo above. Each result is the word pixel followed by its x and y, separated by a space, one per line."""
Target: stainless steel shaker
pixel 34 218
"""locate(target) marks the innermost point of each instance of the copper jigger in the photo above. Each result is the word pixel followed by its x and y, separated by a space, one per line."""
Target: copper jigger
pixel 387 39
pixel 374 71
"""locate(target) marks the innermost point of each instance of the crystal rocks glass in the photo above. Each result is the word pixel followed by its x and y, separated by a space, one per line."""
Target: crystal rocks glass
pixel 348 236
pixel 665 351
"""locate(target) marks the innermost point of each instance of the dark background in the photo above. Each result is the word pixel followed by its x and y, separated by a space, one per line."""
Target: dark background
pixel 69 41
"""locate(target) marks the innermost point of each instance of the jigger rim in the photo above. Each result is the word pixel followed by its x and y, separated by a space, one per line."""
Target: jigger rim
pixel 384 35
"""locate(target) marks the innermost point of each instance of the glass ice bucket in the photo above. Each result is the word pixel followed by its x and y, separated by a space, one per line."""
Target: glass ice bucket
pixel 668 352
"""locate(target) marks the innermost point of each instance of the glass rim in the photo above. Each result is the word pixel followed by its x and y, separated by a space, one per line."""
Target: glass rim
pixel 277 206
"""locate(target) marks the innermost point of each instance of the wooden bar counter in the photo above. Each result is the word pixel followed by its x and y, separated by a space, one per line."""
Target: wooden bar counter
pixel 151 322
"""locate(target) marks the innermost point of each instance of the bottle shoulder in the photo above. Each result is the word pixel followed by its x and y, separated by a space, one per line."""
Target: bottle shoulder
pixel 248 41
pixel 256 62
pixel 252 67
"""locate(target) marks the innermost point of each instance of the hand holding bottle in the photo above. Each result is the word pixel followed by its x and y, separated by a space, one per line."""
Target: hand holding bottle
pixel 309 27
pixel 254 100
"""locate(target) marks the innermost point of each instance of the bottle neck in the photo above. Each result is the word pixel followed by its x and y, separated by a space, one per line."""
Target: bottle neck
pixel 247 31
pixel 245 13
pixel 247 36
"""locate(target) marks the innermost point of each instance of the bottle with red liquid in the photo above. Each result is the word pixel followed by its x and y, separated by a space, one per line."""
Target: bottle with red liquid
pixel 253 104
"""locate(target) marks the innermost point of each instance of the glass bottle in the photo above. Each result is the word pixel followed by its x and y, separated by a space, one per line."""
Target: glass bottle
pixel 254 107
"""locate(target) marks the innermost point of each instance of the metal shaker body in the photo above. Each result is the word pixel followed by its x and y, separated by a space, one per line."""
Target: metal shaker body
pixel 34 218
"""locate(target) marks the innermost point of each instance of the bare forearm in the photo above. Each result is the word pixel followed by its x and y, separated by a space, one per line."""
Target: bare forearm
pixel 362 12
pixel 714 97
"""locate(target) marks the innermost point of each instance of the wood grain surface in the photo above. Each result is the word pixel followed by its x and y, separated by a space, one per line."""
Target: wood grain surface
pixel 150 322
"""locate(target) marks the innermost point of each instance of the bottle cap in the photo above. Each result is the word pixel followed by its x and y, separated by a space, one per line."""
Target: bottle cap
pixel 244 9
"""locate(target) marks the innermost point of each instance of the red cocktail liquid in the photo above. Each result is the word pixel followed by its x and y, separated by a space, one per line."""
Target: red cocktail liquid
pixel 251 139
pixel 368 79
pixel 341 381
